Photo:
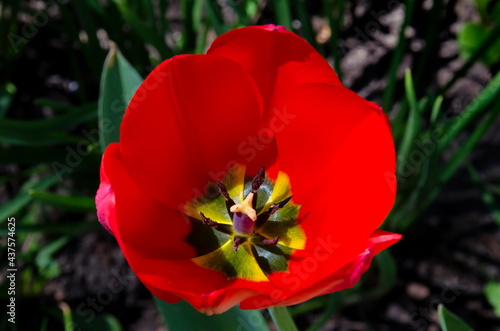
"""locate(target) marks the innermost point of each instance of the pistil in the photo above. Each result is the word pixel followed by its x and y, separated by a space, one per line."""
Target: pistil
pixel 244 216
pixel 207 221
pixel 245 222
pixel 245 207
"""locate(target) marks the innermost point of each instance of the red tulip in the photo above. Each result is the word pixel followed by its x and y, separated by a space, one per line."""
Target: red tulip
pixel 265 115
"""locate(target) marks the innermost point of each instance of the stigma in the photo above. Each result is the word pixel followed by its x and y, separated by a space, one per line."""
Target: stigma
pixel 245 207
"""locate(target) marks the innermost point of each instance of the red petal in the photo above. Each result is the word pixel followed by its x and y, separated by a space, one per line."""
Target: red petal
pixel 206 290
pixel 314 275
pixel 277 59
pixel 150 235
pixel 152 228
pixel 339 153
pixel 186 124
pixel 348 275
pixel 105 201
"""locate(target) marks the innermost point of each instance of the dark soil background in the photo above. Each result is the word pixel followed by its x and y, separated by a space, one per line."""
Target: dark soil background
pixel 445 257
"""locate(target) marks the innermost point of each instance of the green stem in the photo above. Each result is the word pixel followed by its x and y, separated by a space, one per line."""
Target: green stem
pixel 283 13
pixel 282 318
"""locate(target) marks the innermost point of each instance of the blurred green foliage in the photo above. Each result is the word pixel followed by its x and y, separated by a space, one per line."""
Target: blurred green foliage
pixel 472 34
pixel 450 321
pixel 55 152
pixel 492 291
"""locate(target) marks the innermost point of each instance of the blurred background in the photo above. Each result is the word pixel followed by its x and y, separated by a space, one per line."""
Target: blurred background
pixel 431 64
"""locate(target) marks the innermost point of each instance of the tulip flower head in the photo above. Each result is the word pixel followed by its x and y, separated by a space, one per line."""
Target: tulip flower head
pixel 252 225
pixel 248 176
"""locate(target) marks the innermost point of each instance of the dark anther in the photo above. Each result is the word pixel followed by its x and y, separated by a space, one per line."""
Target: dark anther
pixel 236 243
pixel 271 242
pixel 256 183
pixel 223 191
pixel 280 205
pixel 207 221
pixel 258 179
pixel 264 217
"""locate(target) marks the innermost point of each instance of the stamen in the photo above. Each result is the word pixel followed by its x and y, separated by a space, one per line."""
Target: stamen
pixel 271 242
pixel 283 203
pixel 237 242
pixel 223 191
pixel 264 217
pixel 256 183
pixel 259 239
pixel 208 222
pixel 258 180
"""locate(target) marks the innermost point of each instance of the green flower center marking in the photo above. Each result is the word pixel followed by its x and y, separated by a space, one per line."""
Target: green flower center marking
pixel 246 228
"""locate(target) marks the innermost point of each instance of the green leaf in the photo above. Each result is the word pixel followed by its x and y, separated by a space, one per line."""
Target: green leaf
pixel 489 40
pixel 38 127
pixel 282 12
pixel 444 173
pixel 119 81
pixel 144 29
pixel 469 39
pixel 48 266
pixel 239 8
pixel 70 203
pixel 30 137
pixel 492 292
pixel 181 316
pixel 478 106
pixel 215 15
pixel 188 33
pixel 397 58
pixel 465 149
pixel 10 208
pixel 251 7
pixel 102 322
pixel 69 228
pixel 482 7
pixel 450 321
pixel 412 125
pixel 436 108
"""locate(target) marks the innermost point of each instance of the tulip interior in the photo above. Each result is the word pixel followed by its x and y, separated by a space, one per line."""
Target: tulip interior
pixel 246 227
